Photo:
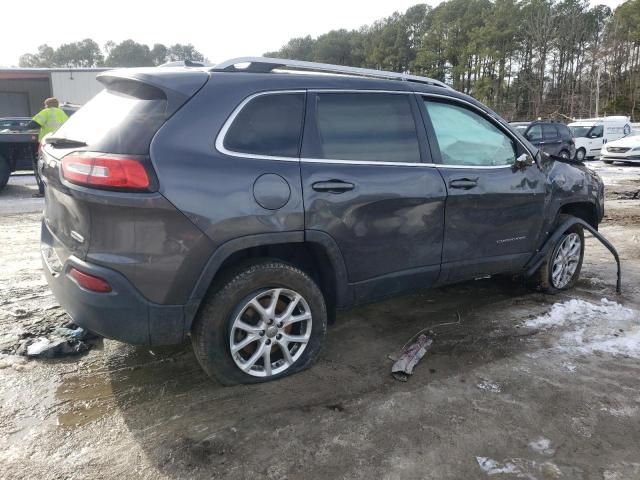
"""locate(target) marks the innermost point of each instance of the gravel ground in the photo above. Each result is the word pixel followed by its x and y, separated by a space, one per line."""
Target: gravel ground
pixel 528 386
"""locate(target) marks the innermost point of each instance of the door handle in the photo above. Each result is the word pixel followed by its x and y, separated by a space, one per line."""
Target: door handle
pixel 333 186
pixel 464 183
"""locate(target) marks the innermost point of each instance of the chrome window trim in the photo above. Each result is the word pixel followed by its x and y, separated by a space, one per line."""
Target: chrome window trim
pixel 366 162
pixel 453 99
pixel 358 90
pixel 219 144
pixel 227 124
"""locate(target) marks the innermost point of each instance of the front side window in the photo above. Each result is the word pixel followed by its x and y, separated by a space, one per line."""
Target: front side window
pixel 367 127
pixel 535 133
pixel 466 138
pixel 597 131
pixel 580 130
pixel 268 125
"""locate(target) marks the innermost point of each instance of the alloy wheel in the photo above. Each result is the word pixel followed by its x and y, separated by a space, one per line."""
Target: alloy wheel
pixel 270 332
pixel 566 260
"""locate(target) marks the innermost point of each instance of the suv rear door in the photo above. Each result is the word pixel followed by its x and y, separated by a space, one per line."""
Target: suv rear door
pixel 551 141
pixel 494 211
pixel 369 183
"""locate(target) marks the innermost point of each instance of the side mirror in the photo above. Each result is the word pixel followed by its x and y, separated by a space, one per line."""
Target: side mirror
pixel 525 160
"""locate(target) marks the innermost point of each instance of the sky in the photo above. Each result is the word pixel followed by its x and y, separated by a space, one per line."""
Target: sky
pixel 219 29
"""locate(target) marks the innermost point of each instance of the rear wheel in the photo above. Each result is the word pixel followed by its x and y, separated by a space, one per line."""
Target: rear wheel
pixel 565 154
pixel 561 268
pixel 267 320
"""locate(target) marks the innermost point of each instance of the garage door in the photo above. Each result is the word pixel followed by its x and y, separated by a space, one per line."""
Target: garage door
pixel 14 104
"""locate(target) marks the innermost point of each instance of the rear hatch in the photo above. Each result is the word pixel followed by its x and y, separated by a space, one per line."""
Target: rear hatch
pixel 100 156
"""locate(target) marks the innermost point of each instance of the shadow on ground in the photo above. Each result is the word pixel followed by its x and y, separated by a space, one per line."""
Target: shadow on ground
pixel 188 425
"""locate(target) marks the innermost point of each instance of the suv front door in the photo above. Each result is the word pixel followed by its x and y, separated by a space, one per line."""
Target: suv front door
pixel 494 211
pixel 369 184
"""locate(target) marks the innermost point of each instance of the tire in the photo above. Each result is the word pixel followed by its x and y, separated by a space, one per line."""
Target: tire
pixel 608 162
pixel 565 154
pixel 581 154
pixel 5 171
pixel 546 278
pixel 228 316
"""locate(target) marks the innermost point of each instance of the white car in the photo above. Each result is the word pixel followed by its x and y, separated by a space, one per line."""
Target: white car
pixel 626 149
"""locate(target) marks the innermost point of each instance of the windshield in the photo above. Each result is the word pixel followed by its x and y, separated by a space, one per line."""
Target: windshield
pixel 120 120
pixel 580 130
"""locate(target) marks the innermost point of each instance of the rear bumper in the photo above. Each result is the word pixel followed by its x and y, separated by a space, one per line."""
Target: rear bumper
pixel 122 314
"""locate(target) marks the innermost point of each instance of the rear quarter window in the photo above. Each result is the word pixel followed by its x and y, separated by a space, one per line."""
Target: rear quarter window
pixel 268 125
pixel 121 119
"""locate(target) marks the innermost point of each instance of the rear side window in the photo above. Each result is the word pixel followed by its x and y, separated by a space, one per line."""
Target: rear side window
pixel 268 125
pixel 564 131
pixel 122 119
pixel 367 127
pixel 549 132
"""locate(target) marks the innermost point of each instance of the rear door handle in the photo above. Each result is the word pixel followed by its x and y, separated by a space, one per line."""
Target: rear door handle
pixel 333 186
pixel 464 183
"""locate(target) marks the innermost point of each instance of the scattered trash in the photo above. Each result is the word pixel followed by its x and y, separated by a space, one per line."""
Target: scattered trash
pixel 47 341
pixel 56 347
pixel 410 357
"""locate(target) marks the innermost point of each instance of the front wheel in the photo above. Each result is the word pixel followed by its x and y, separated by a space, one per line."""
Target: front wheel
pixel 561 267
pixel 565 154
pixel 580 154
pixel 268 320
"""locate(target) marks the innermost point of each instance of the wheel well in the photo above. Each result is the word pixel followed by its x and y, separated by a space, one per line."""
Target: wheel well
pixel 309 257
pixel 583 210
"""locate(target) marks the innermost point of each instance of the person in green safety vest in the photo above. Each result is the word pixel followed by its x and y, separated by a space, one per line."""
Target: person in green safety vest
pixel 47 120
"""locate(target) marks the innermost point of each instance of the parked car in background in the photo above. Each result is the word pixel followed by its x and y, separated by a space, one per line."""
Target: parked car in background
pixel 18 146
pixel 592 133
pixel 626 149
pixel 243 204
pixel 14 124
pixel 550 137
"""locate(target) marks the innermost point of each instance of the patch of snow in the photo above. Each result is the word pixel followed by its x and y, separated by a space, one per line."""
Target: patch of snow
pixel 605 327
pixel 37 347
pixel 519 468
pixel 489 387
pixel 491 467
pixel 580 312
pixel 569 366
pixel 542 446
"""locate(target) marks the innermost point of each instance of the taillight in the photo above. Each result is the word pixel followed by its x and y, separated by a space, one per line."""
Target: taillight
pixel 104 170
pixel 90 282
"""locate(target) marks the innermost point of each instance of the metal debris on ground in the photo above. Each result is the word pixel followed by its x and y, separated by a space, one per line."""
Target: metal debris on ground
pixel 412 353
pixel 410 357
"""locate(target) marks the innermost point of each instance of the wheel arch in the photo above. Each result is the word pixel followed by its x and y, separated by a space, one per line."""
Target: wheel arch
pixel 586 211
pixel 314 252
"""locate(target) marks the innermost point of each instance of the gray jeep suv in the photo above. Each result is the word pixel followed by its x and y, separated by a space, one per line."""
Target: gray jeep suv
pixel 241 205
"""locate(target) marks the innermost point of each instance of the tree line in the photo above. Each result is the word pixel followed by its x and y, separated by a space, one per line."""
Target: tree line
pixel 87 53
pixel 524 58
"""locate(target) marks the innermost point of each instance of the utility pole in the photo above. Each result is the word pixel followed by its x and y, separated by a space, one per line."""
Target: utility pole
pixel 597 91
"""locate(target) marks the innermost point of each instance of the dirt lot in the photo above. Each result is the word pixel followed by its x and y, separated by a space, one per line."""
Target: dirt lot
pixel 528 386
